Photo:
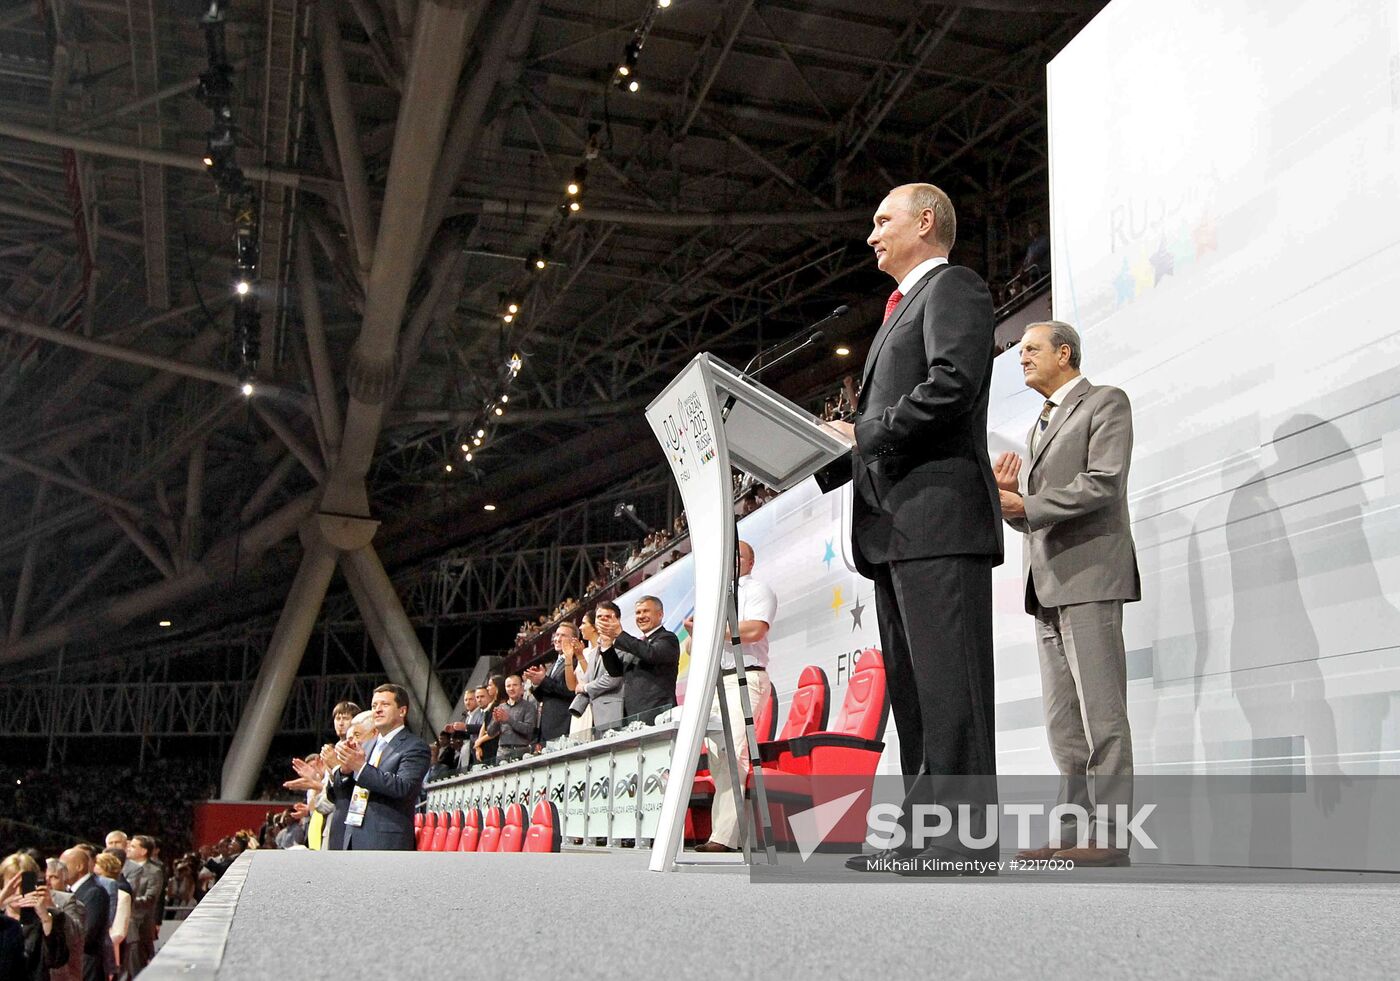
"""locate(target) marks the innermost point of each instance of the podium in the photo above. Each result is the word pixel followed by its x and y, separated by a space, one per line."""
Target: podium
pixel 708 419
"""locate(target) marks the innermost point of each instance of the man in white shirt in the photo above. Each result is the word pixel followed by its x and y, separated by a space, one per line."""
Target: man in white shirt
pixel 758 605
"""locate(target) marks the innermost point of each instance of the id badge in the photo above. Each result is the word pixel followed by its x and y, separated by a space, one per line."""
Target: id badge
pixel 359 800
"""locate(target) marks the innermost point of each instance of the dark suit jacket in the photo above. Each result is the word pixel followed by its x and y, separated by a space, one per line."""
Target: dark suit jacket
pixel 555 698
pixel 96 913
pixel 394 786
pixel 923 476
pixel 648 669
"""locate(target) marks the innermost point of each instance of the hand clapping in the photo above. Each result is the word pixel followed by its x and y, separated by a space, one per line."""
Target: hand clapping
pixel 1007 471
pixel 350 757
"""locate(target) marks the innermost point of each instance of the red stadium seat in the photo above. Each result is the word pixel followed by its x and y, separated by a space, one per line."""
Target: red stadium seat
pixel 806 770
pixel 439 840
pixel 514 828
pixel 806 713
pixel 425 832
pixel 471 830
pixel 417 828
pixel 454 832
pixel 544 834
pixel 490 830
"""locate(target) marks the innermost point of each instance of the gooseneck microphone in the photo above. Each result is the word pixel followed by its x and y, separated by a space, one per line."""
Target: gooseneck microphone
pixel 808 335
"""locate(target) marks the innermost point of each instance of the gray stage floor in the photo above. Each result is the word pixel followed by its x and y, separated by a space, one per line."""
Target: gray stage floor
pixel 345 916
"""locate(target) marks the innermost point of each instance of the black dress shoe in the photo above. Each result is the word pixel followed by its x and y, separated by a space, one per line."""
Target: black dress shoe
pixel 941 863
pixel 716 847
pixel 875 861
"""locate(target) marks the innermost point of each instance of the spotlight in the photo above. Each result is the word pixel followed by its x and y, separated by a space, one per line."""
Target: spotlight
pixel 467 450
pixel 208 161
pixel 500 411
pixel 574 206
pixel 488 507
pixel 663 4
pixel 508 317
pixel 633 85
pixel 513 308
pixel 623 70
pixel 515 362
pixel 536 261
pixel 247 389
pixel 572 189
pixel 476 441
pixel 505 398
pixel 480 433
pixel 447 467
pixel 165 623
pixel 842 351
pixel 242 287
pixel 469 454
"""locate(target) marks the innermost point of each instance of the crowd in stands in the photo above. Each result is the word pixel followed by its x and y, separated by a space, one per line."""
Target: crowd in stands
pixel 82 912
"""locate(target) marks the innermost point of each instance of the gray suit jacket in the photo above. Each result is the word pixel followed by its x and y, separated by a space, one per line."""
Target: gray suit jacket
pixel 601 690
pixel 147 884
pixel 1079 543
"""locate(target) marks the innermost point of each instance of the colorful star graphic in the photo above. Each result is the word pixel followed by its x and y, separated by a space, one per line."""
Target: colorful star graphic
pixel 1123 284
pixel 856 612
pixel 830 554
pixel 836 601
pixel 1162 264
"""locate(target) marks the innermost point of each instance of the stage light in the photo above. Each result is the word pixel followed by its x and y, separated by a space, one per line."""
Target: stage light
pixel 476 441
pixel 633 85
pixel 247 389
pixel 516 361
pixel 623 70
pixel 500 411
pixel 467 450
pixel 165 623
pixel 512 308
pixel 535 260
pixel 505 398
pixel 508 317
pixel 469 455
pixel 572 189
pixel 208 161
pixel 574 206
pixel 480 433
pixel 842 351
pixel 242 287
pixel 488 507
pixel 447 467
pixel 663 4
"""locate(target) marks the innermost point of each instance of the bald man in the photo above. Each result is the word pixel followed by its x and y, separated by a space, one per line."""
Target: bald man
pixel 77 864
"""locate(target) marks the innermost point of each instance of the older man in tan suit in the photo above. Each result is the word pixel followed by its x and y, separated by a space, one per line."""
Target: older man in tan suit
pixel 1081 567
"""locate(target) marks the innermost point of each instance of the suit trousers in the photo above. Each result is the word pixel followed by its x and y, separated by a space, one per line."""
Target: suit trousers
pixel 935 619
pixel 724 809
pixel 1084 680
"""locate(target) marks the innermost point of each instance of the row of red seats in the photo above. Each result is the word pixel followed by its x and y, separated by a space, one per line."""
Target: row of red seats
pixel 494 830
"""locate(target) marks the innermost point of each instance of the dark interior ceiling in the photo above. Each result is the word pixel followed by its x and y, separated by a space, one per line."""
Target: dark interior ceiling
pixel 725 204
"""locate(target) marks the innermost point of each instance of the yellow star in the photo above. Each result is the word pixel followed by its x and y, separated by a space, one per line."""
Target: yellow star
pixel 1142 274
pixel 836 601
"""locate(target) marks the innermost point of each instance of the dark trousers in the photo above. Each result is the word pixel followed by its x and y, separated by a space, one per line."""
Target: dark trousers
pixel 936 636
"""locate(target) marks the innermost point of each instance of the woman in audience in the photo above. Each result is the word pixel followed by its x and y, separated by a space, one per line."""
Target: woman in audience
pixel 108 868
pixel 29 948
pixel 577 658
pixel 485 742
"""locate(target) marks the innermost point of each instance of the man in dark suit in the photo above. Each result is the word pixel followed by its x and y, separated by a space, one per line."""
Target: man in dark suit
pixel 381 780
pixel 551 690
pixel 96 910
pixel 646 664
pixel 926 523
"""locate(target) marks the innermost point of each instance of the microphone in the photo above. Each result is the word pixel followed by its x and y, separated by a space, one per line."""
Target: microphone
pixel 815 338
pixel 840 311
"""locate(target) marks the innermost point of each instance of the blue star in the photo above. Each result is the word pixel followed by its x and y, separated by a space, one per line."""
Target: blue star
pixel 1123 284
pixel 830 554
pixel 1162 264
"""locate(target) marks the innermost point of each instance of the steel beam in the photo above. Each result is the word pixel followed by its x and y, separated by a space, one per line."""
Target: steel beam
pixel 263 714
pixel 347 136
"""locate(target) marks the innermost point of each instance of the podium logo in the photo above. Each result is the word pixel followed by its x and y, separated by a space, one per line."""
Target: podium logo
pixel 626 787
pixel 600 788
pixel 579 790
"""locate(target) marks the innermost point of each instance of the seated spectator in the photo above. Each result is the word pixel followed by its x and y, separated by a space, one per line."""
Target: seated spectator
pixel 513 723
pixel 29 948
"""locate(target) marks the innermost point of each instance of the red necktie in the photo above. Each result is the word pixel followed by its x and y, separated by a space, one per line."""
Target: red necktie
pixel 893 302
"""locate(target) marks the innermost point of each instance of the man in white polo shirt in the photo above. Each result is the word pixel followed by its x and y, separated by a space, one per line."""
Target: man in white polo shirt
pixel 757 607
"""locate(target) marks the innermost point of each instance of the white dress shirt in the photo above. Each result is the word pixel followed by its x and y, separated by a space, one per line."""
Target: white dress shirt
pixel 919 272
pixel 1058 397
pixel 379 745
